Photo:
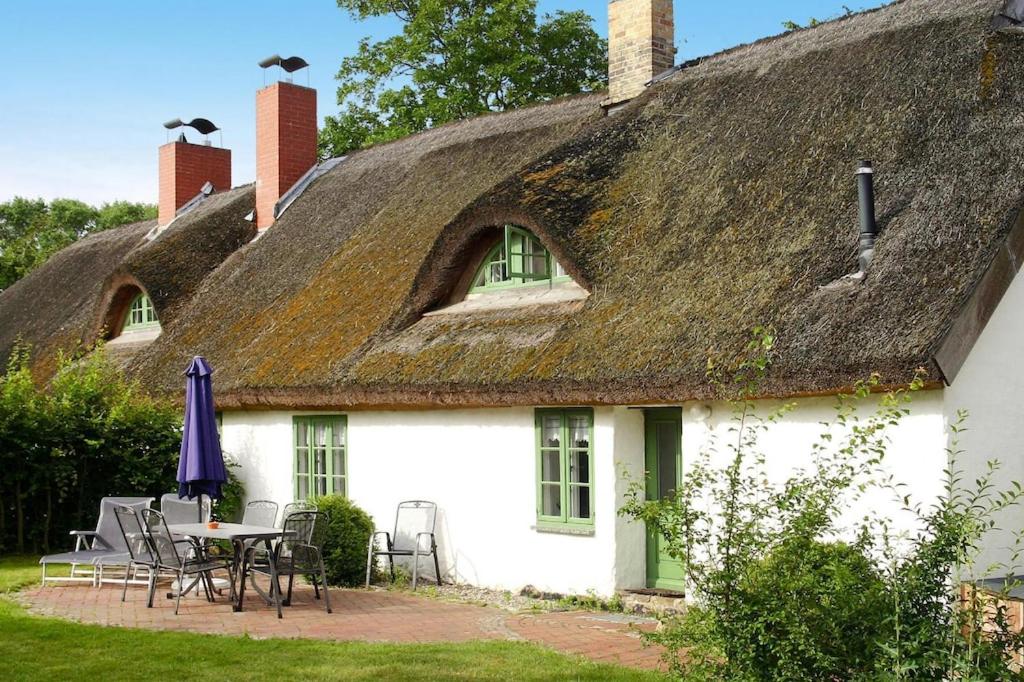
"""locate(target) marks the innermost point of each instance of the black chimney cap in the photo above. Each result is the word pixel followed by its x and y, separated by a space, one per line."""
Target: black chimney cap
pixel 289 64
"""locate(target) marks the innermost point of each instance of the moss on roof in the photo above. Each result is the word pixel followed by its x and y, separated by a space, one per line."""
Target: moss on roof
pixel 722 198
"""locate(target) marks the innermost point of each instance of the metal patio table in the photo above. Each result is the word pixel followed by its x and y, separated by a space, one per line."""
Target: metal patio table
pixel 237 534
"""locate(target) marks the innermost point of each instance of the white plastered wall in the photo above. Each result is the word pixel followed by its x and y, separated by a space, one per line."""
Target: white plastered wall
pixel 990 386
pixel 479 466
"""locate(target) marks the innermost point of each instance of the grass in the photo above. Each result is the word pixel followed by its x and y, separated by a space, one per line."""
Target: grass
pixel 38 648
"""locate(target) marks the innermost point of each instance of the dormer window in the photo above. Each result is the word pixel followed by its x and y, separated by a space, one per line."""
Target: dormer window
pixel 141 315
pixel 518 260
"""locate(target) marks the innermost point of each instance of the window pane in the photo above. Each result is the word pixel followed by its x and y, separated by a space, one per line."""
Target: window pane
pixel 303 488
pixel 321 486
pixel 302 460
pixel 338 433
pixel 551 431
pixel 551 499
pixel 319 462
pixel 550 466
pixel 579 431
pixel 320 434
pixel 579 502
pixel 302 434
pixel 339 485
pixel 579 466
pixel 667 438
pixel 338 461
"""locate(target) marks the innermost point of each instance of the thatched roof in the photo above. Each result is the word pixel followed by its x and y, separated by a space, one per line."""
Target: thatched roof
pixel 65 304
pixel 721 199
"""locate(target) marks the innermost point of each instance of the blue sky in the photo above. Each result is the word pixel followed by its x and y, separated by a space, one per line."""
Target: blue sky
pixel 87 85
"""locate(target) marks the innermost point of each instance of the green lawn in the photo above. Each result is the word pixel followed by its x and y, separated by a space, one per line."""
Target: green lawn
pixel 36 648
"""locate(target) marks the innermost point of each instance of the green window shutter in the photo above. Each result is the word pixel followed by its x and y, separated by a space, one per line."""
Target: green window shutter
pixel 321 456
pixel 565 467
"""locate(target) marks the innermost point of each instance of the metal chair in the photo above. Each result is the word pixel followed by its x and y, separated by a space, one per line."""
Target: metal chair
pixel 260 513
pixel 299 551
pixel 414 522
pixel 292 507
pixel 180 557
pixel 139 553
pixel 177 510
pixel 106 543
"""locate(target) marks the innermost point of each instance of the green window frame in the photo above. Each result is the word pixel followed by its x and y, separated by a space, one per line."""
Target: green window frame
pixel 320 455
pixel 518 260
pixel 141 314
pixel 565 468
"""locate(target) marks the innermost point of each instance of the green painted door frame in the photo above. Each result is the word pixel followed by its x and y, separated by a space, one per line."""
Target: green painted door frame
pixel 663 461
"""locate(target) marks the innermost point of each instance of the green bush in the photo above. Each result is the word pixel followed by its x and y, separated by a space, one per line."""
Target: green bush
pixel 809 611
pixel 89 433
pixel 349 531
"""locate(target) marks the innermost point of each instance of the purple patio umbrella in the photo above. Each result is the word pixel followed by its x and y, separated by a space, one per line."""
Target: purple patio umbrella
pixel 201 468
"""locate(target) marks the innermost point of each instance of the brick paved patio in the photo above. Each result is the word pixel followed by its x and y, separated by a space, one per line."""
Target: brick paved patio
pixel 363 615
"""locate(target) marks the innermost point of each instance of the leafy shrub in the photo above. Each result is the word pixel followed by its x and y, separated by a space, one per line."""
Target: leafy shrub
pixel 90 433
pixel 348 535
pixel 809 610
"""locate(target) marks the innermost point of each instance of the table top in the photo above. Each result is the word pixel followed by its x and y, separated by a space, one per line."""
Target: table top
pixel 225 531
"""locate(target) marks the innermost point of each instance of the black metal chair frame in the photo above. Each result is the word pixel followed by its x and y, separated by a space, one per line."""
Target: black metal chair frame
pixel 299 551
pixel 192 561
pixel 135 537
pixel 416 551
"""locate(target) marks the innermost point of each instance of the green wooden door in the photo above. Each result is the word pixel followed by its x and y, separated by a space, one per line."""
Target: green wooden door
pixel 663 444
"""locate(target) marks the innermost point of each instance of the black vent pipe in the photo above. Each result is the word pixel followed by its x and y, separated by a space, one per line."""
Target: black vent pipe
pixel 868 226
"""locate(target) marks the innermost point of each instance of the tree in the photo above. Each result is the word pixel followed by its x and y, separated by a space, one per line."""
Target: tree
pixel 32 230
pixel 455 59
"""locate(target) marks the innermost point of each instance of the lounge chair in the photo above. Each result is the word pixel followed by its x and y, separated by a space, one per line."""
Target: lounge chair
pixel 104 545
pixel 413 537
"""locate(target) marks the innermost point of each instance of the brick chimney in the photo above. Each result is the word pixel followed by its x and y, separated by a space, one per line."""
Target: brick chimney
pixel 285 143
pixel 184 169
pixel 641 45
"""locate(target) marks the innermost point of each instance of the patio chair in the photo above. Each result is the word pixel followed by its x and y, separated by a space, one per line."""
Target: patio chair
pixel 106 542
pixel 260 513
pixel 299 551
pixel 292 507
pixel 183 558
pixel 414 524
pixel 177 510
pixel 139 553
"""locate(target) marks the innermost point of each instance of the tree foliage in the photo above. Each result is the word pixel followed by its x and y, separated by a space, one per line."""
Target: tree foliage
pixel 455 59
pixel 31 230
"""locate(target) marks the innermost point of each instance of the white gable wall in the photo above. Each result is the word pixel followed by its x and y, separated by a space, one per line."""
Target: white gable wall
pixel 990 386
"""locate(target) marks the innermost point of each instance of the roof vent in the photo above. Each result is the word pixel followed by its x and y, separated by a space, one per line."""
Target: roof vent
pixel 868 225
pixel 287 64
pixel 1011 15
